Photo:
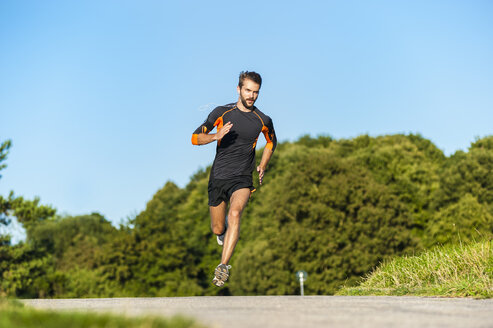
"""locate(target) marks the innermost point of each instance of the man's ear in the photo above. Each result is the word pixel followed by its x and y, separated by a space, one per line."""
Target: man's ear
pixel 238 89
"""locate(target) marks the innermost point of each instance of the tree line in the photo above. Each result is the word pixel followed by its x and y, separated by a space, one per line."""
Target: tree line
pixel 333 208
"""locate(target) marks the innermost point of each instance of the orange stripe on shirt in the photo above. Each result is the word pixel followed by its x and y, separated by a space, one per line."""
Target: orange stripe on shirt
pixel 270 144
pixel 263 125
pixel 219 122
pixel 195 139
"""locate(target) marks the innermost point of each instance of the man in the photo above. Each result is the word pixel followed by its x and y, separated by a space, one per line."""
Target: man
pixel 238 127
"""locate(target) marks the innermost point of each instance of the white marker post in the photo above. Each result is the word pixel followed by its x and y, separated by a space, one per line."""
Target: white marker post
pixel 301 275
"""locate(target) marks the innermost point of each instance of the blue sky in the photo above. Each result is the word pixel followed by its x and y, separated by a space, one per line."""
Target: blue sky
pixel 100 97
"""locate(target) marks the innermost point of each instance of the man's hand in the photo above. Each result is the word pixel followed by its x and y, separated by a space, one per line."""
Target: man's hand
pixel 204 138
pixel 263 163
pixel 223 131
pixel 260 171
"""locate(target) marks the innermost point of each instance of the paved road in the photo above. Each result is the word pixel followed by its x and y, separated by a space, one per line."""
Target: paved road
pixel 296 311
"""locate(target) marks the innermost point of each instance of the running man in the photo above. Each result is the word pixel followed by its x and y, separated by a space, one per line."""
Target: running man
pixel 238 128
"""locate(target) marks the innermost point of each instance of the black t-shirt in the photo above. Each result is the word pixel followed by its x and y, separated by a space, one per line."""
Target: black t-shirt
pixel 235 153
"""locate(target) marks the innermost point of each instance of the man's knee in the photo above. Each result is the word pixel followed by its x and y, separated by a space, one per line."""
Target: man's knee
pixel 234 216
pixel 217 229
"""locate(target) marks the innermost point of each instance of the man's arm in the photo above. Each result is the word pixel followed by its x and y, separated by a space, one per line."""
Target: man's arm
pixel 201 135
pixel 270 137
pixel 204 138
pixel 266 155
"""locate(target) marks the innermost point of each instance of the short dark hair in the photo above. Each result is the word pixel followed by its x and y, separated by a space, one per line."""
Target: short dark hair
pixel 255 77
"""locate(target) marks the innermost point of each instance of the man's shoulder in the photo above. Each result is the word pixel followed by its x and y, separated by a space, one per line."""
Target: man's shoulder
pixel 220 110
pixel 266 118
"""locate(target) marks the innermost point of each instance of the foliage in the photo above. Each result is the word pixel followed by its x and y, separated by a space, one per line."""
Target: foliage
pixel 466 220
pixel 56 250
pixel 4 150
pixel 4 203
pixel 14 315
pixel 333 208
pixel 327 215
pixel 453 270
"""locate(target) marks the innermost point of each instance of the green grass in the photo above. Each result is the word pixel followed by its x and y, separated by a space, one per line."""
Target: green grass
pixel 448 271
pixel 13 314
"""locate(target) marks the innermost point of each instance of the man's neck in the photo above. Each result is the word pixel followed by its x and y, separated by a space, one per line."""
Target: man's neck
pixel 240 106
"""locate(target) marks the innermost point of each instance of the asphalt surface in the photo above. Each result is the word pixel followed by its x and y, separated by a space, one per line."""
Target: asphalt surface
pixel 295 311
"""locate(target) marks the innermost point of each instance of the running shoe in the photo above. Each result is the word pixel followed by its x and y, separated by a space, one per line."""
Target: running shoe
pixel 220 238
pixel 221 275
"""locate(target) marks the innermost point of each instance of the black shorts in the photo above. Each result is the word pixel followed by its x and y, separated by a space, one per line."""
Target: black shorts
pixel 221 190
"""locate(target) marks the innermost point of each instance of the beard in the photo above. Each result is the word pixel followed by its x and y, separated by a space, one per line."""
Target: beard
pixel 244 102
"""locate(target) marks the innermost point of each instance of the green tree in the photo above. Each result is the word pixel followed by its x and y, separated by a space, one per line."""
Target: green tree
pixel 464 221
pixel 468 173
pixel 4 150
pixel 334 208
pixel 325 215
pixel 4 203
pixel 23 268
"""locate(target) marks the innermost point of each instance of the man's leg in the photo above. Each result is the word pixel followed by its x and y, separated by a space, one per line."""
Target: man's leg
pixel 238 201
pixel 218 218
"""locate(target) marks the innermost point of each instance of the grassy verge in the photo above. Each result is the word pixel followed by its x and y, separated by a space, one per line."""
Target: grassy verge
pixel 13 314
pixel 450 271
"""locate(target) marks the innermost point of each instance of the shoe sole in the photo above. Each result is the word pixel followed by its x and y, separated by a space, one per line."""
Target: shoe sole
pixel 221 274
pixel 217 282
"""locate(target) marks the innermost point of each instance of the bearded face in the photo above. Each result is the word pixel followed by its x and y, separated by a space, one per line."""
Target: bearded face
pixel 249 93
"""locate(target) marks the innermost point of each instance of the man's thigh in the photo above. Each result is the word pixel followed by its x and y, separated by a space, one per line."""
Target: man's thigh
pixel 218 213
pixel 239 199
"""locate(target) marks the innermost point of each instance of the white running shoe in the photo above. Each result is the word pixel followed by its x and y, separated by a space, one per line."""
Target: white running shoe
pixel 220 239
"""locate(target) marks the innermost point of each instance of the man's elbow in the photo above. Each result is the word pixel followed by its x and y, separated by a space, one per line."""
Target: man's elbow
pixel 271 146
